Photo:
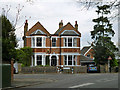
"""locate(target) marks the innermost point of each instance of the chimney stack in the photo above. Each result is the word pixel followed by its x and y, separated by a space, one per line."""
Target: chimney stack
pixel 25 26
pixel 76 25
pixel 25 30
pixel 61 24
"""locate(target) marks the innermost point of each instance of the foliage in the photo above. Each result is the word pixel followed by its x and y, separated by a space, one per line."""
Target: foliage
pixel 24 56
pixel 102 34
pixel 8 40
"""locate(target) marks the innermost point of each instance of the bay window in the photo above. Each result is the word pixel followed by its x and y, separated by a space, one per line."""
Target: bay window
pixel 39 59
pixel 65 59
pixel 69 42
pixel 69 59
pixel 75 42
pixel 39 41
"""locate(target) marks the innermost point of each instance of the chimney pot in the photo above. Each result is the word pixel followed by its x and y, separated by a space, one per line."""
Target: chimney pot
pixel 75 22
pixel 26 21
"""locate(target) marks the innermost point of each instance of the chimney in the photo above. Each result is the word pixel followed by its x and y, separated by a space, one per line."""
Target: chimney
pixel 76 25
pixel 61 24
pixel 25 30
pixel 25 27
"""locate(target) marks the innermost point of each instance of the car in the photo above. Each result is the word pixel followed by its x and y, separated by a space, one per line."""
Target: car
pixel 92 68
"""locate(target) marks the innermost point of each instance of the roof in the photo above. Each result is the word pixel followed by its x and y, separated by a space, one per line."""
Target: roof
pixel 84 58
pixel 60 29
pixel 69 32
pixel 85 49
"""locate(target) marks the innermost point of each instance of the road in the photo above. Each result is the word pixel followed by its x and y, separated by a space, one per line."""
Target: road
pixel 91 80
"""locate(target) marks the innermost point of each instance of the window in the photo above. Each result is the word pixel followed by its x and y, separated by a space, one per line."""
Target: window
pixel 65 42
pixel 39 41
pixel 69 59
pixel 75 42
pixel 88 55
pixel 75 60
pixel 69 42
pixel 44 41
pixel 53 42
pixel 33 41
pixel 65 59
pixel 39 59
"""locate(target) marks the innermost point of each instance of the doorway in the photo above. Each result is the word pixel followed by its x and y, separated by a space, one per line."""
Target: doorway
pixel 53 61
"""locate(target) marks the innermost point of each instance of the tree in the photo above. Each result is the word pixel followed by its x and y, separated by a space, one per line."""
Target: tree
pixel 24 56
pixel 102 34
pixel 114 6
pixel 9 41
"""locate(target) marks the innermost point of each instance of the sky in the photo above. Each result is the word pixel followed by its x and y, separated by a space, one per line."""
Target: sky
pixel 49 13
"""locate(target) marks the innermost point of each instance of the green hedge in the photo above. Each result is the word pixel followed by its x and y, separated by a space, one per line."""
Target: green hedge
pixel 6 75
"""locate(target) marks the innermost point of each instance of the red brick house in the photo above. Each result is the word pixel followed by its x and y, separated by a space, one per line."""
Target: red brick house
pixel 60 48
pixel 87 56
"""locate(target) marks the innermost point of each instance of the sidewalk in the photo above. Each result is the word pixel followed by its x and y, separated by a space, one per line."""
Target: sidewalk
pixel 23 82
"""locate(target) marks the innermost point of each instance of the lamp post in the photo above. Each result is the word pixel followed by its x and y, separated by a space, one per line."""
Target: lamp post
pixel 109 58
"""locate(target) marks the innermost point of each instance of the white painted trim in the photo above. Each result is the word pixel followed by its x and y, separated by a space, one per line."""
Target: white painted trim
pixel 56 47
pixel 88 50
pixel 40 53
pixel 35 60
pixel 37 31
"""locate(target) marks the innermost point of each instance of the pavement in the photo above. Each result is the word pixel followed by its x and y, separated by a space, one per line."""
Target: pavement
pixel 24 82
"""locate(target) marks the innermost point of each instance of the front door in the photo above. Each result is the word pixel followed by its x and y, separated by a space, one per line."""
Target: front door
pixel 53 61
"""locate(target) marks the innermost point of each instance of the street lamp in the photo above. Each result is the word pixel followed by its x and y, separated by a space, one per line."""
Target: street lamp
pixel 109 58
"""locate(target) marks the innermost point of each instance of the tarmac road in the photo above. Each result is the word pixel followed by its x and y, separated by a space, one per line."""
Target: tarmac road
pixel 91 80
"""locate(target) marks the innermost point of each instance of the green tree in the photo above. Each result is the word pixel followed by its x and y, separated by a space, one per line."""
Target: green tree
pixel 9 41
pixel 24 56
pixel 102 34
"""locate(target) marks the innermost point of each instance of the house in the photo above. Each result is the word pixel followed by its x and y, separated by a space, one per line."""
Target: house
pixel 86 56
pixel 59 49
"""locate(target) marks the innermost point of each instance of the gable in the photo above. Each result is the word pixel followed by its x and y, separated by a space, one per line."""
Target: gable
pixel 37 29
pixel 68 29
pixel 69 32
pixel 84 50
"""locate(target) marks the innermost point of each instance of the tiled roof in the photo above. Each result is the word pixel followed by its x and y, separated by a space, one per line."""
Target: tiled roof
pixel 69 32
pixel 85 49
pixel 84 58
pixel 57 32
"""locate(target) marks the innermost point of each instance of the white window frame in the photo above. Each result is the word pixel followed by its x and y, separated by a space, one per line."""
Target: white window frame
pixel 70 42
pixel 65 59
pixel 54 42
pixel 39 60
pixel 74 42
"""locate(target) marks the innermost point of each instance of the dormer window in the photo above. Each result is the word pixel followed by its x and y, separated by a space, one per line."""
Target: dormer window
pixel 53 42
pixel 39 41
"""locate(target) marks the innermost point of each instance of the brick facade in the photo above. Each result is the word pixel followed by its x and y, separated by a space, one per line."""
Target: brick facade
pixel 62 48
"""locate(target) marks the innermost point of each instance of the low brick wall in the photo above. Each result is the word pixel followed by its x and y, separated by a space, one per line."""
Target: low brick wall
pixel 36 70
pixel 76 69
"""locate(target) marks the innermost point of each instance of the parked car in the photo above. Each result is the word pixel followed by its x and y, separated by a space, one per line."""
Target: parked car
pixel 92 68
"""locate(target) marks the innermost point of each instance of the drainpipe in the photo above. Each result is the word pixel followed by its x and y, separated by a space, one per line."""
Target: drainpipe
pixel 60 52
pixel 50 44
